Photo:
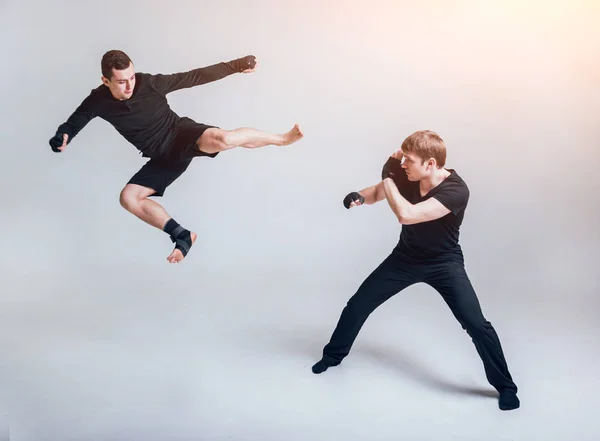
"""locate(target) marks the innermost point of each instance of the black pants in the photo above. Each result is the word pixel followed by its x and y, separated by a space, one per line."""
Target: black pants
pixel 450 279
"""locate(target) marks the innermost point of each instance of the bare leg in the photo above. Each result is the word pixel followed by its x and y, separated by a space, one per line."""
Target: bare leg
pixel 134 198
pixel 216 140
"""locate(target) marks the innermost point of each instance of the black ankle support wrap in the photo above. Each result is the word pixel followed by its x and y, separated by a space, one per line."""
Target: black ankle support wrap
pixel 182 239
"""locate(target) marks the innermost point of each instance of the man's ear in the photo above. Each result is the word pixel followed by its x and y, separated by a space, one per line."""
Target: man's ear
pixel 104 80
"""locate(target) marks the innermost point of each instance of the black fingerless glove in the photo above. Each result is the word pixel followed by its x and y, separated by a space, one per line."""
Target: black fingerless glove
pixel 353 197
pixel 56 141
pixel 247 62
pixel 392 168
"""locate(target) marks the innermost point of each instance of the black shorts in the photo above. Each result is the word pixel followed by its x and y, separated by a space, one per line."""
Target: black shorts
pixel 159 173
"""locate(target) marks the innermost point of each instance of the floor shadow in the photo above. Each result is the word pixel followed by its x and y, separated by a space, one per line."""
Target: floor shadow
pixel 410 367
pixel 306 344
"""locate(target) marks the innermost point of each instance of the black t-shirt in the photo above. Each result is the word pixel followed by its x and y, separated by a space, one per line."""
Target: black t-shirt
pixel 438 239
pixel 145 120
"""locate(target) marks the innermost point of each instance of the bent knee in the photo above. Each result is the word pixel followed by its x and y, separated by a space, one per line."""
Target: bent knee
pixel 128 198
pixel 132 195
pixel 213 140
pixel 477 328
pixel 218 136
pixel 361 306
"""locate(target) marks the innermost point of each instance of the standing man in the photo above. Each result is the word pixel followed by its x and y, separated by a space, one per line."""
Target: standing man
pixel 136 105
pixel 429 201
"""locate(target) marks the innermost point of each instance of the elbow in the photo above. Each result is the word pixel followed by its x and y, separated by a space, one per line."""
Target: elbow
pixel 406 218
pixel 403 220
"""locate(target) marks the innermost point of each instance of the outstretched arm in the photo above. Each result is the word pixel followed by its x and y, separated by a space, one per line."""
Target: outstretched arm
pixel 408 213
pixel 376 193
pixel 74 124
pixel 367 196
pixel 167 83
pixel 373 194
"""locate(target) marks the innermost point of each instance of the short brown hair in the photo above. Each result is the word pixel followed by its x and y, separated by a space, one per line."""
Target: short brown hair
pixel 426 144
pixel 114 59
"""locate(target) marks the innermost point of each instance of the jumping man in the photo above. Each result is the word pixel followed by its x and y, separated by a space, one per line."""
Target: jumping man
pixel 135 104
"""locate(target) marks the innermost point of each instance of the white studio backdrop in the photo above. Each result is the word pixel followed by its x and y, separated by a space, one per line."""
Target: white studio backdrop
pixel 511 88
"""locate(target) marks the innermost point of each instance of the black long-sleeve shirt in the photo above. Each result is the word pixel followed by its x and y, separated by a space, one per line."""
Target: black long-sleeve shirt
pixel 146 120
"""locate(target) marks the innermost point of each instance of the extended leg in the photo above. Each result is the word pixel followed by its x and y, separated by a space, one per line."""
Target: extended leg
pixel 389 278
pixel 452 282
pixel 134 198
pixel 215 140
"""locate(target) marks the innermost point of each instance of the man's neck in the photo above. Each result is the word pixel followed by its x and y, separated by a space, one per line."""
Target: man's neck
pixel 433 181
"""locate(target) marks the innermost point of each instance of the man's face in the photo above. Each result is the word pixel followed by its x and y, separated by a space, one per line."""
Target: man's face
pixel 415 168
pixel 121 83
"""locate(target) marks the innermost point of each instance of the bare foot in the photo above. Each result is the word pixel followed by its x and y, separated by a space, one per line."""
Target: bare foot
pixel 292 136
pixel 177 256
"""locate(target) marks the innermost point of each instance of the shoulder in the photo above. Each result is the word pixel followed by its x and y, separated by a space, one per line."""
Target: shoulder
pixel 456 183
pixel 96 96
pixel 148 77
pixel 453 193
pixel 143 78
pixel 146 80
pixel 99 91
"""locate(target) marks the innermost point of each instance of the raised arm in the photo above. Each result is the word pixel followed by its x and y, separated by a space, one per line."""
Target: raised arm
pixel 75 123
pixel 408 213
pixel 451 199
pixel 167 83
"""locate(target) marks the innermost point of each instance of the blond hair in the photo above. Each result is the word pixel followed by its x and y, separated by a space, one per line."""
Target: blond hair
pixel 426 144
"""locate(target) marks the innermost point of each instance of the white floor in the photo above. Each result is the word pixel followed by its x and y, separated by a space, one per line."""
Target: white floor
pixel 101 353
